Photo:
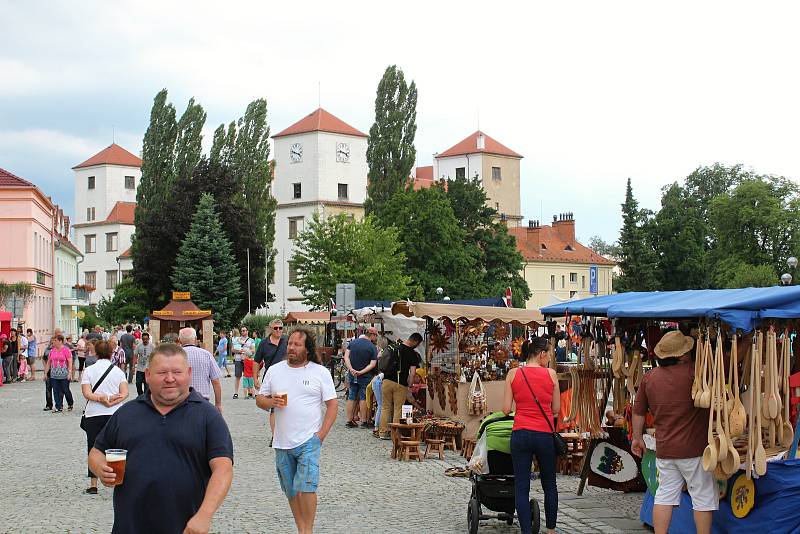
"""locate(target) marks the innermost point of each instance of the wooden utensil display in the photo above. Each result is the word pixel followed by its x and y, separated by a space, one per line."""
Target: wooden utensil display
pixel 760 458
pixel 704 397
pixel 737 416
pixel 719 401
pixel 697 385
pixel 787 434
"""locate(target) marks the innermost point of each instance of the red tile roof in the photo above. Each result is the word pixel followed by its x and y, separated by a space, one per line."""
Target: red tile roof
pixel 126 254
pixel 8 179
pixel 555 247
pixel 470 146
pixel 112 155
pixel 320 121
pixel 122 213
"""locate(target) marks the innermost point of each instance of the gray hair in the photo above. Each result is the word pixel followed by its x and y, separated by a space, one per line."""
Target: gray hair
pixel 275 322
pixel 187 336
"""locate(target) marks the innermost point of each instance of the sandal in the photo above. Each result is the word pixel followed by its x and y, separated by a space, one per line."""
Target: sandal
pixel 91 491
pixel 457 472
pixel 351 424
pixel 235 395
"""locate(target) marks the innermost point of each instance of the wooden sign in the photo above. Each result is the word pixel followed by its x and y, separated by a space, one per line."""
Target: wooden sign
pixel 181 295
pixel 163 312
pixel 197 312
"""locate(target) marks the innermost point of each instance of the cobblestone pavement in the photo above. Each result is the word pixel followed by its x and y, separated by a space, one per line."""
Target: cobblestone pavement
pixel 361 489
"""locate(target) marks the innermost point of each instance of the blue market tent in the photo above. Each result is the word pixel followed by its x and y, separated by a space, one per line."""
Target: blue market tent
pixel 740 308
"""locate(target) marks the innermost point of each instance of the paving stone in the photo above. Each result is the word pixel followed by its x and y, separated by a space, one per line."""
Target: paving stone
pixel 361 489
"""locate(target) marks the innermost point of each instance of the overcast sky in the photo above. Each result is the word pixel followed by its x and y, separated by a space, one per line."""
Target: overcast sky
pixel 590 93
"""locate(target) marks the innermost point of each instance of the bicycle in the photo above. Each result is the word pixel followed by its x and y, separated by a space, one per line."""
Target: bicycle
pixel 338 372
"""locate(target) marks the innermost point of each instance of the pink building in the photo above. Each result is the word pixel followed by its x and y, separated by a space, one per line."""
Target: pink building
pixel 26 230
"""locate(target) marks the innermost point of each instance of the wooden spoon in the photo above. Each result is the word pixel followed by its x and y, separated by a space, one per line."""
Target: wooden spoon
pixel 698 362
pixel 751 413
pixel 771 411
pixel 738 417
pixel 710 452
pixel 788 433
pixel 718 385
pixel 704 399
pixel 760 454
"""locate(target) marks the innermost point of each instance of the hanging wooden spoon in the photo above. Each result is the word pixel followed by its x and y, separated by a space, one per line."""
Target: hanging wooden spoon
pixel 760 454
pixel 718 385
pixel 751 413
pixel 788 431
pixel 738 417
pixel 710 452
pixel 704 399
pixel 698 363
pixel 771 399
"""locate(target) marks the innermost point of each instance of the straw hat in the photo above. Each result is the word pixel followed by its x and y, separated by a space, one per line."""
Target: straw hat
pixel 673 345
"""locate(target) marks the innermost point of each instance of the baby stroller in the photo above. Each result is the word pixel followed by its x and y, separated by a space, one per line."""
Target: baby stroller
pixel 495 490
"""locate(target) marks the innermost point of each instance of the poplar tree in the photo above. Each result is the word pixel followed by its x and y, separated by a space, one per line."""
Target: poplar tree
pixel 390 150
pixel 206 267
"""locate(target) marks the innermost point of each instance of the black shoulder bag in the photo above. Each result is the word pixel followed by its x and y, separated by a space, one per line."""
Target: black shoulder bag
pixel 558 442
pixel 94 388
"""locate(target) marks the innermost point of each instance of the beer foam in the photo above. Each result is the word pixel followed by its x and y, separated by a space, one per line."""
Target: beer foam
pixel 115 457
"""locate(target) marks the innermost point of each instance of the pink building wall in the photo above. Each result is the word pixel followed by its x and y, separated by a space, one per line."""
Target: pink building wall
pixel 26 218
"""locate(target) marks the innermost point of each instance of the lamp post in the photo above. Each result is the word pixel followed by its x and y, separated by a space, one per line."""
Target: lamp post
pixel 786 278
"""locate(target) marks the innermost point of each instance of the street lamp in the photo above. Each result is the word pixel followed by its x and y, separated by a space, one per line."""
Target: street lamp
pixel 792 262
pixel 439 291
pixel 446 299
pixel 786 279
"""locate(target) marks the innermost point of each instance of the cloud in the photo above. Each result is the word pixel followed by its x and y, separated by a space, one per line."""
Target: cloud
pixel 43 140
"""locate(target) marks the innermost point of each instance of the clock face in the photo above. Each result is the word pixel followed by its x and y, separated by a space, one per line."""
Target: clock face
pixel 296 153
pixel 342 152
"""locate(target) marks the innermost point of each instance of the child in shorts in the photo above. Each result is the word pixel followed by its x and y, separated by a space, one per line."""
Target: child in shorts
pixel 248 383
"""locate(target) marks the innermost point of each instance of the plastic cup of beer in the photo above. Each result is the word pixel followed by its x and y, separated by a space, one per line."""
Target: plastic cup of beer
pixel 115 458
pixel 283 395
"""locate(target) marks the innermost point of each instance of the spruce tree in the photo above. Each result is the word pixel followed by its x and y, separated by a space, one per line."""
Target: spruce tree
pixel 637 259
pixel 206 267
pixel 390 152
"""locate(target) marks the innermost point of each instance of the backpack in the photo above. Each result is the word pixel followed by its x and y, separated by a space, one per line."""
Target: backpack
pixel 389 359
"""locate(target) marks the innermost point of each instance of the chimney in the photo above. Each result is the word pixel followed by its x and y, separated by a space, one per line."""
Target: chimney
pixel 564 226
pixel 481 142
pixel 66 227
pixel 533 236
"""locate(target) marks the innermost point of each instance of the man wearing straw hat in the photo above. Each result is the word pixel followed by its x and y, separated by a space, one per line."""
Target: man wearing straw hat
pixel 681 434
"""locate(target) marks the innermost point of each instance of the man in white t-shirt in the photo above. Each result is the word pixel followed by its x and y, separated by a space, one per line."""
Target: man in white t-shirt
pixel 299 387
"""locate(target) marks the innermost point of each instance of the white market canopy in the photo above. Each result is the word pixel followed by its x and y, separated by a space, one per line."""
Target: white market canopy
pixel 437 311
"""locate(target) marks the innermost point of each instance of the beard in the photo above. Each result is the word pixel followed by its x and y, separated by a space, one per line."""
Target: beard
pixel 296 359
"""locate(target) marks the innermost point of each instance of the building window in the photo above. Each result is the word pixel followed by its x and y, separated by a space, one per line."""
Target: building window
pixel 90 182
pixel 292 274
pixel 130 182
pixel 496 173
pixel 563 281
pixel 91 240
pixel 111 241
pixel 583 282
pixel 552 282
pixel 297 189
pixel 573 278
pixel 342 191
pixel 461 172
pixel 90 278
pixel 89 214
pixel 295 227
pixel 39 278
pixel 111 279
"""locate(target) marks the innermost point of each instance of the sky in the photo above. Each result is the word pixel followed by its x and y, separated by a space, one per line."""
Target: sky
pixel 590 93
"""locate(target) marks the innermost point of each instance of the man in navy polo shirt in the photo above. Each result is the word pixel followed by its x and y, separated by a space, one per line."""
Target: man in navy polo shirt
pixel 180 454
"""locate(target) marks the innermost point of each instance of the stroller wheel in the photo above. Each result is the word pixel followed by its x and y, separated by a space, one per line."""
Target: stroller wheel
pixel 473 515
pixel 536 521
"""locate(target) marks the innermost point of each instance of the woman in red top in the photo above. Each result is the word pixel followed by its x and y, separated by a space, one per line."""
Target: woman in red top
pixel 532 434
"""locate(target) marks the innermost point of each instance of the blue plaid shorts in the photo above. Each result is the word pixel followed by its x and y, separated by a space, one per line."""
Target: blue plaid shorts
pixel 298 468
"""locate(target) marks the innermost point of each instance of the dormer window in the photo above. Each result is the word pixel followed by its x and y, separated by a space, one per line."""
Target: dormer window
pixel 569 248
pixel 544 247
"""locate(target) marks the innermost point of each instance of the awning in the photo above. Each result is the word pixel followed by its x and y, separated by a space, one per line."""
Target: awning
pixel 307 318
pixel 740 308
pixel 180 310
pixel 437 311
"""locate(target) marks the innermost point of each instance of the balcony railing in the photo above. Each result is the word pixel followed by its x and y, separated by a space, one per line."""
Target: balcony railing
pixel 70 293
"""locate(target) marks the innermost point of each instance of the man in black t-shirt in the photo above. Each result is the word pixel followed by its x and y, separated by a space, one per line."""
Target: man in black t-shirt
pixel 128 342
pixel 396 379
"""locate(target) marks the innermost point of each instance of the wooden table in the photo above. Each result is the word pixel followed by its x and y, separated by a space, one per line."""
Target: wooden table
pixel 575 451
pixel 414 431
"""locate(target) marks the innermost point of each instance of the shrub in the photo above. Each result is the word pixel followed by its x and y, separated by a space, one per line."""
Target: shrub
pixel 258 323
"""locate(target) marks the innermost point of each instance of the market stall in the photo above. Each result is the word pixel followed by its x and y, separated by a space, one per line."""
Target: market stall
pixel 745 351
pixel 468 350
pixel 179 313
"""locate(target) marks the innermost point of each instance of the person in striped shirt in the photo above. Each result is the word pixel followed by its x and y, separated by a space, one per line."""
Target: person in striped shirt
pixel 205 371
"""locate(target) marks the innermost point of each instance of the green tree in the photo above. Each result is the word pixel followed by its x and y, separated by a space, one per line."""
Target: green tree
pixel 390 152
pixel 636 258
pixel 435 243
pixel 499 261
pixel 244 150
pixel 128 305
pixel 205 265
pixel 756 224
pixel 734 273
pixel 599 245
pixel 170 152
pixel 340 249
pixel 90 318
pixel 678 236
